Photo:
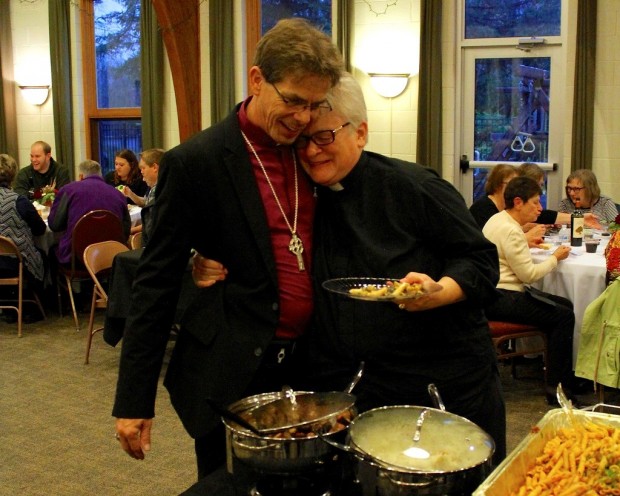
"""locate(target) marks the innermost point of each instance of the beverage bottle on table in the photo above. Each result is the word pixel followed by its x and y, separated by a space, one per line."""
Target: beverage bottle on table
pixel 577 224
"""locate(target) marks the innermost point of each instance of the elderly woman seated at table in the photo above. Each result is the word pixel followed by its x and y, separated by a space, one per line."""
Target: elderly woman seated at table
pixel 487 206
pixel 519 303
pixel 583 191
pixel 19 221
pixel 532 170
pixel 491 203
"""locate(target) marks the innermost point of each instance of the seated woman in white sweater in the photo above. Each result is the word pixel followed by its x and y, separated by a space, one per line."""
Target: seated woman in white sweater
pixel 518 303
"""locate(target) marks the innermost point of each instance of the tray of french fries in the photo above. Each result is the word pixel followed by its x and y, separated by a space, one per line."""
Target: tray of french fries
pixel 576 454
pixel 379 289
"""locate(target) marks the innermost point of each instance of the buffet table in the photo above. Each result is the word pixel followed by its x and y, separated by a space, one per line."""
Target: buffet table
pixel 580 278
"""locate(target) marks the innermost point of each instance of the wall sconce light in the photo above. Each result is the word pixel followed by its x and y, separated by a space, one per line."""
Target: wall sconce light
pixel 388 85
pixel 35 95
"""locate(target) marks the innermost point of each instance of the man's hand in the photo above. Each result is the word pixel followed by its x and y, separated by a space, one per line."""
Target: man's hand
pixel 134 436
pixel 206 272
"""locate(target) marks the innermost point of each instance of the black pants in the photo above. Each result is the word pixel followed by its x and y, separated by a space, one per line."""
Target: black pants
pixel 555 317
pixel 279 368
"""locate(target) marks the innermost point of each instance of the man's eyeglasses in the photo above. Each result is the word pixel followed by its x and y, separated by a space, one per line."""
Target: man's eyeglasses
pixel 574 189
pixel 320 138
pixel 298 105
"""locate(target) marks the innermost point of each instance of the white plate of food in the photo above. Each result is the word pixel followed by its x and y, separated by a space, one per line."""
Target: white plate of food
pixel 379 288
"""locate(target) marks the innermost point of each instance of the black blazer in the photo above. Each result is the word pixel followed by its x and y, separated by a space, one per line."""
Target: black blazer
pixel 208 200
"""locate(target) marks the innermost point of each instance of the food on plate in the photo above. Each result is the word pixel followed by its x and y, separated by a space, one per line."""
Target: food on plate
pixel 391 289
pixel 583 459
pixel 544 246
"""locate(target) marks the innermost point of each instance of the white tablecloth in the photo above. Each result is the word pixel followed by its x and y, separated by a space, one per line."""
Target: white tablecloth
pixel 49 238
pixel 580 278
pixel 134 213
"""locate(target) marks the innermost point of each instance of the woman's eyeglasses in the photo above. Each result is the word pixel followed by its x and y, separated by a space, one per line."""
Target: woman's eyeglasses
pixel 320 138
pixel 574 189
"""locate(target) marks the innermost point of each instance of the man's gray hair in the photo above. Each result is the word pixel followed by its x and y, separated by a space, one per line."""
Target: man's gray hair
pixel 347 99
pixel 89 168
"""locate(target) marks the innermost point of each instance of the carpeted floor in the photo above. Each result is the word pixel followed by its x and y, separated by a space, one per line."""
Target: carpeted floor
pixel 56 428
pixel 57 432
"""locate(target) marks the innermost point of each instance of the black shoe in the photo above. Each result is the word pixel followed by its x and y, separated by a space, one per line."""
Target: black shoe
pixel 10 317
pixel 31 318
pixel 27 318
pixel 581 386
pixel 552 398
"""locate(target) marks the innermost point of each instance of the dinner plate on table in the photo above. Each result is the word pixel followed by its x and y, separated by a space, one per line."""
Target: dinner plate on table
pixel 379 288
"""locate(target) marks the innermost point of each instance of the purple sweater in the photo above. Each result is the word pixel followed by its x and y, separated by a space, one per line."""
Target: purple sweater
pixel 78 198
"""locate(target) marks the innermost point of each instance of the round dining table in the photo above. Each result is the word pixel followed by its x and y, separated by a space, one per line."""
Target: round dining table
pixel 580 278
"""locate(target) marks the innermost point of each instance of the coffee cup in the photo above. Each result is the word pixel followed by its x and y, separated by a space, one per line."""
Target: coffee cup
pixel 591 246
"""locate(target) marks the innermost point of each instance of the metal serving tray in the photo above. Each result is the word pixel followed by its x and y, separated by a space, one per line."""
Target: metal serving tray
pixel 510 474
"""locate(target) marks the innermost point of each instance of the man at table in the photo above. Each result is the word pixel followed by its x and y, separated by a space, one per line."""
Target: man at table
pixel 233 192
pixel 522 304
pixel 42 171
pixel 75 199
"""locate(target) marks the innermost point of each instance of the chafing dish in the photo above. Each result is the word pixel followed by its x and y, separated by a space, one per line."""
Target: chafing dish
pixel 510 474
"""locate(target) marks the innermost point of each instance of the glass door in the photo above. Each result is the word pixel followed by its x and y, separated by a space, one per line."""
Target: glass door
pixel 512 90
pixel 509 114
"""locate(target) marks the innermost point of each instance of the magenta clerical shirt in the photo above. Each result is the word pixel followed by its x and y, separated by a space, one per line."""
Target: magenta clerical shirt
pixel 296 299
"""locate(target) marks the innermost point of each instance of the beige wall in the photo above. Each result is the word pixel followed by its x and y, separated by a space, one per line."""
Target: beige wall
pixel 381 42
pixel 388 43
pixel 32 65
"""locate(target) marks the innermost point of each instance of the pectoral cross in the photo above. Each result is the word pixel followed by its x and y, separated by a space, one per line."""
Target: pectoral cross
pixel 296 247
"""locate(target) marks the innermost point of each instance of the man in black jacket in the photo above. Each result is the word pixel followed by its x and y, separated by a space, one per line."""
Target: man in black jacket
pixel 42 171
pixel 233 192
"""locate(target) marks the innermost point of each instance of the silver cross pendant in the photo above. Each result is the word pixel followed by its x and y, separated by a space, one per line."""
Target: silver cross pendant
pixel 296 247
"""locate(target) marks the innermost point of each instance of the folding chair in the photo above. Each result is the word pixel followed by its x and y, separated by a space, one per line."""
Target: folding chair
pixel 93 227
pixel 135 240
pixel 510 332
pixel 98 259
pixel 9 249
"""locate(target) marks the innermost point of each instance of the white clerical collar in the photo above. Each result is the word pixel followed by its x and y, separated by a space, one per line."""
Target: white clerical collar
pixel 336 187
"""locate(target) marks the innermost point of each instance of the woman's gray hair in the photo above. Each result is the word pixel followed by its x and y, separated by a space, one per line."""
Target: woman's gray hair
pixel 8 170
pixel 347 99
pixel 588 181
